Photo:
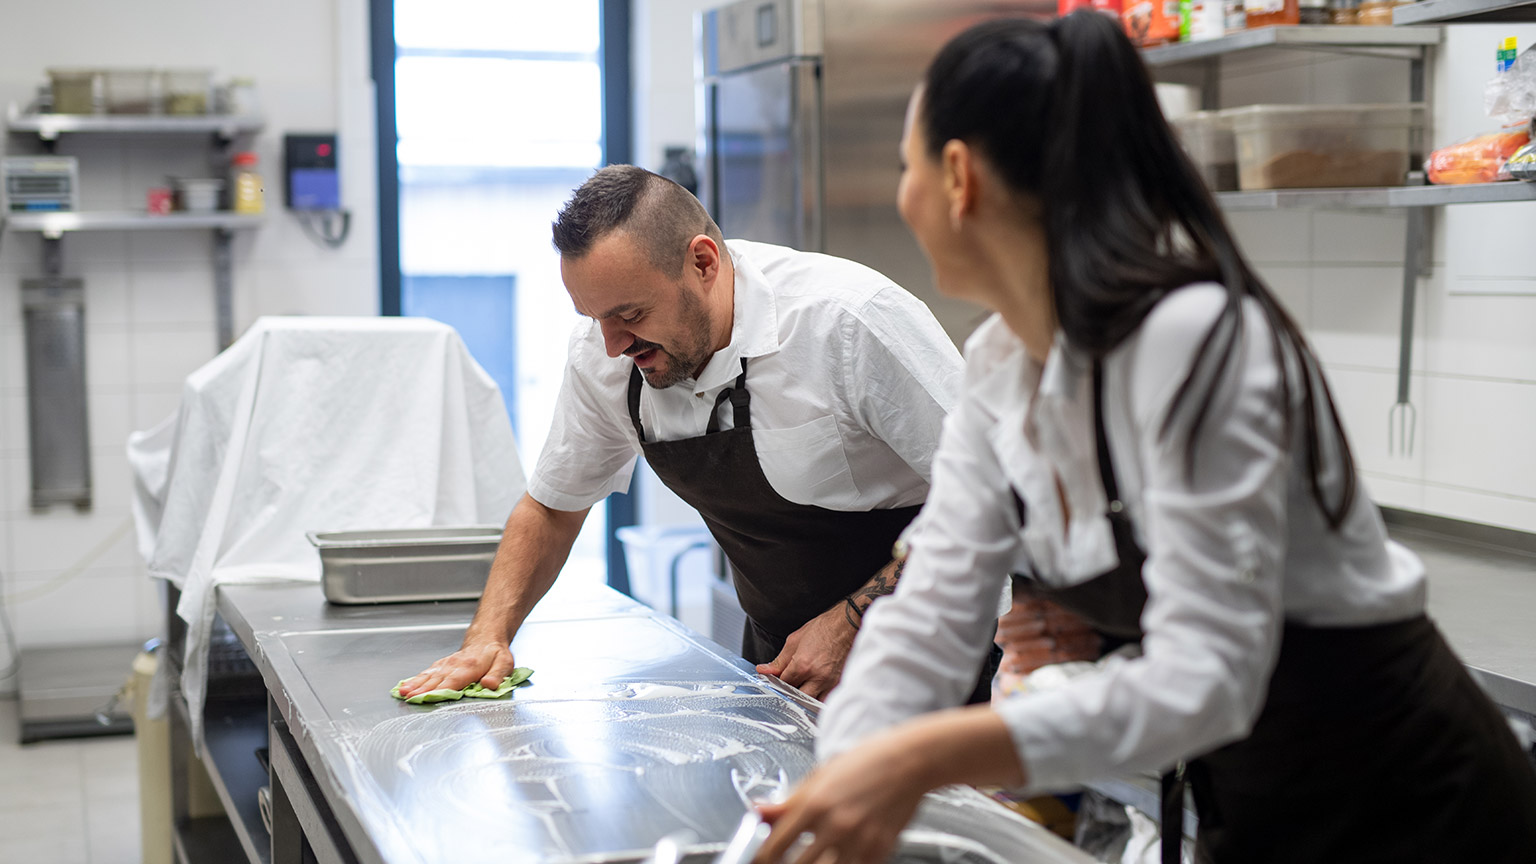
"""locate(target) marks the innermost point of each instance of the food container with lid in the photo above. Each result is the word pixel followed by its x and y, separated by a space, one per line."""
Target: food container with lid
pixel 197 194
pixel 77 91
pixel 1319 146
pixel 133 91
pixel 1207 138
pixel 188 91
pixel 406 564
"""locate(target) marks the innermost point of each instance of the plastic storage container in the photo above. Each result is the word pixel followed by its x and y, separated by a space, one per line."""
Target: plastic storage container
pixel 1310 146
pixel 76 91
pixel 133 91
pixel 671 568
pixel 1207 138
pixel 197 194
pixel 188 91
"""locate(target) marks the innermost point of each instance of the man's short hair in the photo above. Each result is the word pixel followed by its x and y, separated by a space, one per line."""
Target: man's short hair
pixel 661 215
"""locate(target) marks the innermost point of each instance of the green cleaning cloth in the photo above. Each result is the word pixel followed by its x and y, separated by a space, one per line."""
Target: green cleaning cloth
pixel 473 691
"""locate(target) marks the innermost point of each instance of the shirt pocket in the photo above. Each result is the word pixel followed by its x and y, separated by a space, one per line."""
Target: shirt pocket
pixel 806 464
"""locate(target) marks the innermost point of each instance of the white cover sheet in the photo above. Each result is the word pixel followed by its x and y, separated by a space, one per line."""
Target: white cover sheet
pixel 309 424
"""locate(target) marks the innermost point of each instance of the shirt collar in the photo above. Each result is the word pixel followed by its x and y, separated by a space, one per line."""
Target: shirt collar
pixel 1064 370
pixel 754 323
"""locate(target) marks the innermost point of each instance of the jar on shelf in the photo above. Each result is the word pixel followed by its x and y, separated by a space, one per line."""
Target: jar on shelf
pixel 240 97
pixel 246 194
pixel 1267 13
pixel 1377 13
pixel 1344 11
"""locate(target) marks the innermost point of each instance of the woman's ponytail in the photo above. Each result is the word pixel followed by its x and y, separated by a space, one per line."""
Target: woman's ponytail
pixel 1067 113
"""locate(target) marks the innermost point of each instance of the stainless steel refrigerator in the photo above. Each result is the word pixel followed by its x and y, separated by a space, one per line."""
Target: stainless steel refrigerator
pixel 801 106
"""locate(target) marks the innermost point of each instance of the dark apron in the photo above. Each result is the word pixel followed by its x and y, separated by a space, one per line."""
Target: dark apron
pixel 1373 745
pixel 791 561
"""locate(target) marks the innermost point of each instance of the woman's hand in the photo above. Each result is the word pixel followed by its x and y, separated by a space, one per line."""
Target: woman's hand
pixel 855 805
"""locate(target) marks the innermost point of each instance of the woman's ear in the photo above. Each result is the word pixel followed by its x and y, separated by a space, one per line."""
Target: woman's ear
pixel 959 169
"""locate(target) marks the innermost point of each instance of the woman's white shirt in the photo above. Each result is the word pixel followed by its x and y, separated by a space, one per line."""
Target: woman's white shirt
pixel 1236 546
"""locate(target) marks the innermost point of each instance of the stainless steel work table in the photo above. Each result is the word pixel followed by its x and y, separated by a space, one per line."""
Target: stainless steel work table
pixel 1482 594
pixel 633 728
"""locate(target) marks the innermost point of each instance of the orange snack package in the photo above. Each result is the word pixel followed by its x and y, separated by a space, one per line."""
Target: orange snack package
pixel 1475 160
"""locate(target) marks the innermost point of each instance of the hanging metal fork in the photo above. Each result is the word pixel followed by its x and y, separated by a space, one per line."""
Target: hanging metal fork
pixel 1402 417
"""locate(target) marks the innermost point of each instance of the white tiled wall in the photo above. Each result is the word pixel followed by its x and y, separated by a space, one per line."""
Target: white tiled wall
pixel 75 577
pixel 1474 351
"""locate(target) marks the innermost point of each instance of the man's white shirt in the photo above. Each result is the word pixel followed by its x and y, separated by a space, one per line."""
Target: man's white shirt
pixel 850 379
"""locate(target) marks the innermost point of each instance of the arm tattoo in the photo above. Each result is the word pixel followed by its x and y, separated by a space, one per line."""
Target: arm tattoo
pixel 879 586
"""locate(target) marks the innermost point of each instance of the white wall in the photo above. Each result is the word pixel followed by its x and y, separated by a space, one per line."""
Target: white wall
pixel 70 577
pixel 1474 369
pixel 1473 377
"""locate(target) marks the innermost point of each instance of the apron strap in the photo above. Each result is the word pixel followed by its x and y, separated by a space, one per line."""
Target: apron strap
pixel 1101 437
pixel 634 402
pixel 741 401
pixel 1172 815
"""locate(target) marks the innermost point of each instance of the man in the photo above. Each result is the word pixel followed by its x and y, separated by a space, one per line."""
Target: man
pixel 794 399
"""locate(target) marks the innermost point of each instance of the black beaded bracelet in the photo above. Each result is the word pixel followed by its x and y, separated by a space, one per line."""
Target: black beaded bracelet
pixel 853 610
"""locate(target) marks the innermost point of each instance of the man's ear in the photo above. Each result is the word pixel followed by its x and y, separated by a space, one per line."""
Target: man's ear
pixel 957 162
pixel 703 263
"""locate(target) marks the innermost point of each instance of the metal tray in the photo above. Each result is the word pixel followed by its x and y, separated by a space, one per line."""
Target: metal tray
pixel 406 564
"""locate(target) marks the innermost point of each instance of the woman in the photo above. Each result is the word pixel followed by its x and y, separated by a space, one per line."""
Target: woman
pixel 1147 438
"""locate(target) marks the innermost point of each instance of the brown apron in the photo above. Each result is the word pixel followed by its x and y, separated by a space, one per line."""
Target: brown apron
pixel 1373 745
pixel 791 561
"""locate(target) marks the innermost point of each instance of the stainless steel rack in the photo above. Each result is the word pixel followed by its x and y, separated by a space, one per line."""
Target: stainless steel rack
pixel 1386 198
pixel 1465 12
pixel 50 126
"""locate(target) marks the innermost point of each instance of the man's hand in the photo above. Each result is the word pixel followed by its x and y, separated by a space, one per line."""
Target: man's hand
pixel 487 663
pixel 813 656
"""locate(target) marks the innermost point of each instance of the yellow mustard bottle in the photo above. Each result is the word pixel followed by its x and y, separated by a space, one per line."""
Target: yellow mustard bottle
pixel 247 195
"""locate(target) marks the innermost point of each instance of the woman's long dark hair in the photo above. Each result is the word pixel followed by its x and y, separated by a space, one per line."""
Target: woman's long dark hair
pixel 1066 112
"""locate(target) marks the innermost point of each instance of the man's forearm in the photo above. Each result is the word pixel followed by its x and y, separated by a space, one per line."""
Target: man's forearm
pixel 879 585
pixel 535 545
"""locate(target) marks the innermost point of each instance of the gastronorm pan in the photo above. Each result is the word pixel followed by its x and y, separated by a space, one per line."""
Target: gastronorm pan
pixel 406 564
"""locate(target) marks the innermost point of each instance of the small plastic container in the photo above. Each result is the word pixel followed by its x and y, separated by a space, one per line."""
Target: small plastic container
pixel 1321 146
pixel 133 91
pixel 188 91
pixel 1207 138
pixel 196 194
pixel 76 91
pixel 671 569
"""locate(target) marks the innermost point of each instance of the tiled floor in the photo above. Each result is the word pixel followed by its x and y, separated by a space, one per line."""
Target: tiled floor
pixel 72 801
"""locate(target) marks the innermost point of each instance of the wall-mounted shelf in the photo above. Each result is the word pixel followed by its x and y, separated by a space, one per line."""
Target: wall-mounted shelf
pixel 50 126
pixel 1465 12
pixel 1378 198
pixel 54 225
pixel 1318 37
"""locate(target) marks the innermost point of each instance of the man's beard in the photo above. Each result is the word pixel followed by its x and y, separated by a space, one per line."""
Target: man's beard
pixel 686 358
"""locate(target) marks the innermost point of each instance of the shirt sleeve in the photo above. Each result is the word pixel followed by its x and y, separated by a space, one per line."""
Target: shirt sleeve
pixel 588 453
pixel 901 374
pixel 1213 576
pixel 1213 573
pixel 914 646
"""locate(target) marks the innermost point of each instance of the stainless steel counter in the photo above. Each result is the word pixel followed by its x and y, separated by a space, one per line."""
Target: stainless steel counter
pixel 1482 594
pixel 632 728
